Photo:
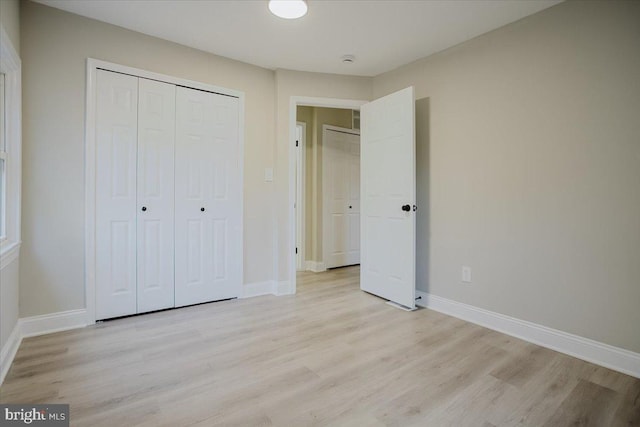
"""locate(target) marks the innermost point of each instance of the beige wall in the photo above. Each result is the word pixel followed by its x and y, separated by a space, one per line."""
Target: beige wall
pixel 9 280
pixel 316 118
pixel 10 20
pixel 55 47
pixel 534 169
pixel 294 83
pixel 9 308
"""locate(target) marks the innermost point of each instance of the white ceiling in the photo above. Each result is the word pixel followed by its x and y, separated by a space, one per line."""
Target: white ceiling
pixel 382 34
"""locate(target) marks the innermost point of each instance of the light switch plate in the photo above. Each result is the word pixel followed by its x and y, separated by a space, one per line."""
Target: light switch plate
pixel 268 174
pixel 466 274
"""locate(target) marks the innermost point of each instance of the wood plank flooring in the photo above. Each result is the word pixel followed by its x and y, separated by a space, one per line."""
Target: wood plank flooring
pixel 330 355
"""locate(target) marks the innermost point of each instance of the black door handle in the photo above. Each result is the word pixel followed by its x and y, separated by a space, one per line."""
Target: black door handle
pixel 406 208
pixel 201 209
pixel 144 209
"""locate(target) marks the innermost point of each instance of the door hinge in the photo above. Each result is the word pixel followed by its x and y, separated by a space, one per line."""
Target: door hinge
pixel 296 143
pixel 296 251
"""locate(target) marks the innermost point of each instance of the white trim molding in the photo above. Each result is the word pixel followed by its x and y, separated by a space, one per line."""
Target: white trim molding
pixel 284 288
pixel 11 67
pixel 35 326
pixel 269 287
pixel 9 254
pixel 51 323
pixel 606 355
pixel 256 289
pixel 9 350
pixel 315 266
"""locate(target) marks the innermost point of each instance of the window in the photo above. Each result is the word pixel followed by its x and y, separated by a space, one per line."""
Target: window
pixel 3 162
pixel 10 150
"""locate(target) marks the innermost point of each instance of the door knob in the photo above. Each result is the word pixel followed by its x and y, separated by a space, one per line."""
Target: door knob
pixel 201 209
pixel 406 208
pixel 350 207
pixel 144 209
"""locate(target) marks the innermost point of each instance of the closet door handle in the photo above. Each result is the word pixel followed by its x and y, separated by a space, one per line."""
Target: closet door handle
pixel 201 209
pixel 144 209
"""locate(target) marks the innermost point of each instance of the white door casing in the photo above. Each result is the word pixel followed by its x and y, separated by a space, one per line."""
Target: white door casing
pixel 388 183
pixel 208 227
pixel 341 197
pixel 115 180
pixel 155 207
pixel 300 194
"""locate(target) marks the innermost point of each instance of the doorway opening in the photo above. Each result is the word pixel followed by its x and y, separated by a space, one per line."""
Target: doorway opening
pixel 327 188
pixel 388 188
pixel 312 122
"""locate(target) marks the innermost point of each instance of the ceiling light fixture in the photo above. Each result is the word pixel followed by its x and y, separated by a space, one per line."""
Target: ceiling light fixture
pixel 288 9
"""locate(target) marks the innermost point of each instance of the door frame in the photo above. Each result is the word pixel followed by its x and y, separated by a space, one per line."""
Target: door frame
pixel 90 164
pixel 325 205
pixel 301 195
pixel 294 103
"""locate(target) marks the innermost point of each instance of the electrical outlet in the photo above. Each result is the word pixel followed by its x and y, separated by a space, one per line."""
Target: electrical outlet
pixel 466 274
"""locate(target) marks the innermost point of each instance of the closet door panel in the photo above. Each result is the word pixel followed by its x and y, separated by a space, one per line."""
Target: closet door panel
pixel 193 173
pixel 208 197
pixel 155 189
pixel 226 199
pixel 116 135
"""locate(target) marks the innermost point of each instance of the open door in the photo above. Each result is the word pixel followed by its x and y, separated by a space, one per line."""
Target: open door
pixel 388 194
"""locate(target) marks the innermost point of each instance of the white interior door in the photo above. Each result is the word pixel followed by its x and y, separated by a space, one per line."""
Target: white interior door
pixel 208 212
pixel 156 145
pixel 341 198
pixel 116 147
pixel 388 197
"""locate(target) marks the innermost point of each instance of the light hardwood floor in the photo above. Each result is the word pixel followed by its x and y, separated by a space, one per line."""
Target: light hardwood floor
pixel 330 355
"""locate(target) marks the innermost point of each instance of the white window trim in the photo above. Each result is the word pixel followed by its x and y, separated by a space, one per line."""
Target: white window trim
pixel 10 66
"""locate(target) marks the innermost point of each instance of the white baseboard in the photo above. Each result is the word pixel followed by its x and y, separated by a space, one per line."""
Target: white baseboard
pixel 38 325
pixel 50 323
pixel 10 254
pixel 258 288
pixel 9 350
pixel 611 357
pixel 315 266
pixel 284 288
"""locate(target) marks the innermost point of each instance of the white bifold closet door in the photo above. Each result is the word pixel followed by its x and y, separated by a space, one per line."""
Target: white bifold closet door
pixel 116 152
pixel 155 175
pixel 168 196
pixel 135 143
pixel 208 227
